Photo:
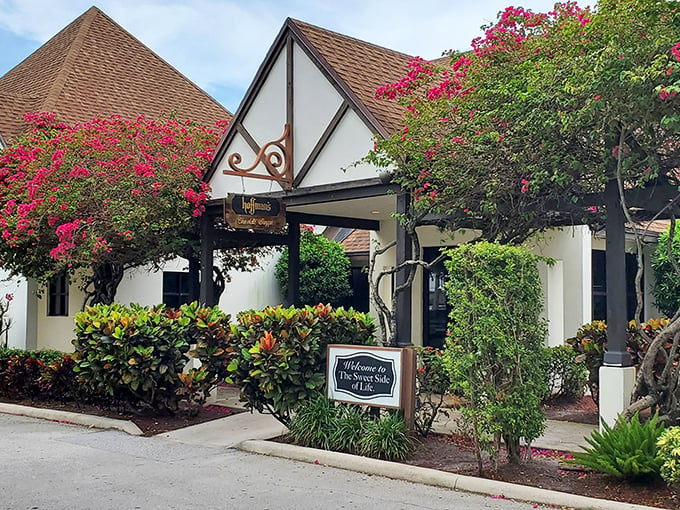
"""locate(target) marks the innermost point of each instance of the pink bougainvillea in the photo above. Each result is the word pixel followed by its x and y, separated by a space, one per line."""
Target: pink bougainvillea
pixel 111 190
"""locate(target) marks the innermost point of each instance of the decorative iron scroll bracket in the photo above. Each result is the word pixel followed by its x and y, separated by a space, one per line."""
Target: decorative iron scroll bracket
pixel 278 163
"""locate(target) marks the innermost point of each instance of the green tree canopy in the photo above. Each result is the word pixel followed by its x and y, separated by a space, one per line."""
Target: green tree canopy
pixel 324 270
pixel 543 110
pixel 666 285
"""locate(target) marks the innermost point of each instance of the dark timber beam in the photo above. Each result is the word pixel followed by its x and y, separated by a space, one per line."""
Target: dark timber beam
pixel 617 353
pixel 194 279
pixel 333 221
pixel 207 293
pixel 402 307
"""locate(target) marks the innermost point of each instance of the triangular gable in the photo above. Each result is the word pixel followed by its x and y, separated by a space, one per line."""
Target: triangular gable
pixel 94 67
pixel 331 114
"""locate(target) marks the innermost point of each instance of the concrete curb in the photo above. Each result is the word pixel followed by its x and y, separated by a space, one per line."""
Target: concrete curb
pixel 432 476
pixel 87 420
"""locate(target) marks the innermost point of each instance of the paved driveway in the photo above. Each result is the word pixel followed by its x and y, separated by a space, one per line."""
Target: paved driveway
pixel 47 465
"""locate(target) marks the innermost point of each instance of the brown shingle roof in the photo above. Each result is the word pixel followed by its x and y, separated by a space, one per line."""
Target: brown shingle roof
pixel 357 242
pixel 364 67
pixel 94 67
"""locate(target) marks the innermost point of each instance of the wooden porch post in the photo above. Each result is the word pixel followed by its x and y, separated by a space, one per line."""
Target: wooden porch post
pixel 402 308
pixel 617 354
pixel 194 278
pixel 293 297
pixel 206 296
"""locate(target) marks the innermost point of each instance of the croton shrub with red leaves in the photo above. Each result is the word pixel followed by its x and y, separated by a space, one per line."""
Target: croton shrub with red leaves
pixel 44 374
pixel 279 354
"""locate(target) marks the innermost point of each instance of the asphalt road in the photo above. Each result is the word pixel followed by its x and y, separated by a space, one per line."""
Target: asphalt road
pixel 46 465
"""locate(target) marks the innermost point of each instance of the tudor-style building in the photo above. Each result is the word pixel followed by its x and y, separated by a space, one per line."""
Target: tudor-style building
pixel 306 122
pixel 92 67
pixel 312 112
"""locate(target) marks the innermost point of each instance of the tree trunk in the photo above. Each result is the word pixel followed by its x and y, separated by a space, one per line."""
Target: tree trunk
pixel 103 284
pixel 514 449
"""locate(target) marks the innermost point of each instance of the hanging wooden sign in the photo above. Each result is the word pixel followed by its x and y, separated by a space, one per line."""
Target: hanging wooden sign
pixel 254 213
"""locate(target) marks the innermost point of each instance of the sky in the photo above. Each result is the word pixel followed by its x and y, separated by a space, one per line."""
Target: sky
pixel 219 44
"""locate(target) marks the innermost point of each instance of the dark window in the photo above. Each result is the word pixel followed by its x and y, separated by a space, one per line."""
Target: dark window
pixel 359 300
pixel 436 307
pixel 599 270
pixel 57 297
pixel 175 289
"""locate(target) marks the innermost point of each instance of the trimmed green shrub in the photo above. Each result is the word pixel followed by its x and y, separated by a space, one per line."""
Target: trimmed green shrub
pixel 668 451
pixel 25 374
pixel 209 334
pixel 589 344
pixel 432 385
pixel 567 377
pixel 627 450
pixel 58 381
pixel 324 270
pixel 279 354
pixel 138 355
pixel 666 285
pixel 495 349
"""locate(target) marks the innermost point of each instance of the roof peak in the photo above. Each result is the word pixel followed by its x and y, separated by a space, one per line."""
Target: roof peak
pixel 94 67
pixel 349 37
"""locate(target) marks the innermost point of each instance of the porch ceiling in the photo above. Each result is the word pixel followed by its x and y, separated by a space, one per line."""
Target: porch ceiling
pixel 378 208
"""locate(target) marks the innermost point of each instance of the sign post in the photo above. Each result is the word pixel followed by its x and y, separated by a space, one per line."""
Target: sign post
pixel 374 376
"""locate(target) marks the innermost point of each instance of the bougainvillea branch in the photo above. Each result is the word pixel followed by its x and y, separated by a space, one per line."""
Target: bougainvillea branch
pixel 100 197
pixel 507 137
pixel 545 109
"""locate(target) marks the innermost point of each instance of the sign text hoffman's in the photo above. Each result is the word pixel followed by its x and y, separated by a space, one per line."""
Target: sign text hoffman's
pixel 256 213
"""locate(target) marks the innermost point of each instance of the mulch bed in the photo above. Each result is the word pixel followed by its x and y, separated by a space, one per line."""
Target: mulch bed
pixel 150 423
pixel 547 468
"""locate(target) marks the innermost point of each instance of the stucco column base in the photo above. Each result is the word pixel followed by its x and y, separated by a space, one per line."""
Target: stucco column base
pixel 616 388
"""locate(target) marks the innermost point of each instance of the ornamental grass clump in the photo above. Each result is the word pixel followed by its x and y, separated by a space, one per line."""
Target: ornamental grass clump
pixel 315 422
pixel 386 438
pixel 320 423
pixel 628 450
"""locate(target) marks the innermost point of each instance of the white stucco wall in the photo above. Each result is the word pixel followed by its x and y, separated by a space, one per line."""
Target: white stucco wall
pixel 570 278
pixel 21 334
pixel 254 290
pixel 566 284
pixel 315 102
pixel 57 332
